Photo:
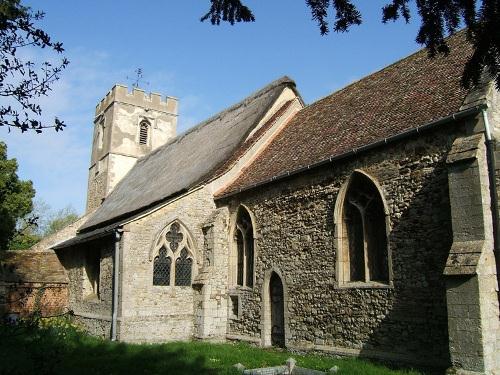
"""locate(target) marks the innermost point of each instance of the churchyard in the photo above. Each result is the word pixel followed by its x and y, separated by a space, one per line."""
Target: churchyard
pixel 59 347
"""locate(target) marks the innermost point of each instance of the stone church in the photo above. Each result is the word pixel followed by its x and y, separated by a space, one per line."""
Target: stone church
pixel 362 224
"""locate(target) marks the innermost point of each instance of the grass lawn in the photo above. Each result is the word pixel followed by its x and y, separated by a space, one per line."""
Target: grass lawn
pixel 65 350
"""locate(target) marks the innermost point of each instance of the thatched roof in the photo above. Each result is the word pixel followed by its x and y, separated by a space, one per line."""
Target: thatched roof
pixel 188 160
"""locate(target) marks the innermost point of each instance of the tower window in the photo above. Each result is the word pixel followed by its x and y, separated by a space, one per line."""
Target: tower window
pixel 143 132
pixel 100 134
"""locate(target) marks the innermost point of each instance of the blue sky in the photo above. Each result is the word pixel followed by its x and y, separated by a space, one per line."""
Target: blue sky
pixel 208 68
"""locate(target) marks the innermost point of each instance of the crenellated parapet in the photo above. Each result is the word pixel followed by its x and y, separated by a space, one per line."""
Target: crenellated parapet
pixel 127 126
pixel 138 98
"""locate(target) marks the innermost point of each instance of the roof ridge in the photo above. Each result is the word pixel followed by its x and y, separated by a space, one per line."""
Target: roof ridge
pixel 229 127
pixel 405 95
pixel 249 142
pixel 256 94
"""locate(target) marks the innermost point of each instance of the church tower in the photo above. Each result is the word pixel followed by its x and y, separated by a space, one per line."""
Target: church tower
pixel 126 127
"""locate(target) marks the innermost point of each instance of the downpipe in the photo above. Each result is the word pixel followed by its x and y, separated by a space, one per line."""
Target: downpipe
pixel 491 160
pixel 116 275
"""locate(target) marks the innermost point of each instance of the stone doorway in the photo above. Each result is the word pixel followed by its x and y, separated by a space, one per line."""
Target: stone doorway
pixel 277 311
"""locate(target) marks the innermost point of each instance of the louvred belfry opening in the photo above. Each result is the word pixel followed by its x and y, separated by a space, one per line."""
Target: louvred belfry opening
pixel 143 133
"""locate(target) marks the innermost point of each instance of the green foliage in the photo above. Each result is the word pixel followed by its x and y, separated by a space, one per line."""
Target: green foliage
pixel 23 81
pixel 15 198
pixel 40 223
pixel 438 18
pixel 58 346
pixel 23 241
pixel 60 220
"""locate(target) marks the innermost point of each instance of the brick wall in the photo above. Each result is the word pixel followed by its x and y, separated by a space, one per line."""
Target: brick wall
pixel 23 299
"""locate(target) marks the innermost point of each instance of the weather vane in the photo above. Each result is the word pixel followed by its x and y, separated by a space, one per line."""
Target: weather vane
pixel 138 78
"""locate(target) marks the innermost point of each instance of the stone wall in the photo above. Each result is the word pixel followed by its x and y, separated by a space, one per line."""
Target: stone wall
pixel 294 219
pixel 149 313
pixel 97 185
pixel 92 310
pixel 116 146
pixel 470 271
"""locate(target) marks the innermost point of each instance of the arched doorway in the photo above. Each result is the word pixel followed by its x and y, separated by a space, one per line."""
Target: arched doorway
pixel 277 311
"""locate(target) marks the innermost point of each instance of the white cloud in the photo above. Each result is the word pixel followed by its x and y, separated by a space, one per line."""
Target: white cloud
pixel 57 163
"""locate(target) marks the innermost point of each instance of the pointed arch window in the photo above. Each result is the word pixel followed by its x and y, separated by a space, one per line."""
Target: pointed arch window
pixel 244 249
pixel 363 251
pixel 174 263
pixel 100 134
pixel 144 132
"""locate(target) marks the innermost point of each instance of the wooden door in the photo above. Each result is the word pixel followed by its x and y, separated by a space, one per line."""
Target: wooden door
pixel 277 311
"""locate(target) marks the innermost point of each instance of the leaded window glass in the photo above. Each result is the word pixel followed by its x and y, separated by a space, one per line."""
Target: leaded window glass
pixel 175 262
pixel 183 269
pixel 249 259
pixel 244 247
pixel 241 255
pixel 162 265
pixel 364 250
pixel 174 236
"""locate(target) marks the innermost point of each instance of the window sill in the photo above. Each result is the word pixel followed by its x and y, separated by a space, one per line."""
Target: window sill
pixel 365 285
pixel 93 298
pixel 239 288
pixel 170 287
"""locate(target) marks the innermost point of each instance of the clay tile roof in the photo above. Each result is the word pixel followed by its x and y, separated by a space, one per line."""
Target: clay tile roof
pixel 187 160
pixel 31 267
pixel 409 93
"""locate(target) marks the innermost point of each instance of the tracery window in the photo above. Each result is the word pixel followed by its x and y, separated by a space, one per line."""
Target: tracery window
pixel 244 248
pixel 174 262
pixel 363 250
pixel 144 132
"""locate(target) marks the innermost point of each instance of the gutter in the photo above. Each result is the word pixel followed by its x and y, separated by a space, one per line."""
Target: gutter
pixel 116 280
pixel 85 237
pixel 490 156
pixel 456 116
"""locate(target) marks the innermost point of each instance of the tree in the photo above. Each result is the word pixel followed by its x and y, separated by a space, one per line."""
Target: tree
pixel 41 222
pixel 16 200
pixel 439 18
pixel 60 220
pixel 23 81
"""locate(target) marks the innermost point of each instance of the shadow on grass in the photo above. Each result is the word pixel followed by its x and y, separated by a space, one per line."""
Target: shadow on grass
pixel 49 351
pixel 61 348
